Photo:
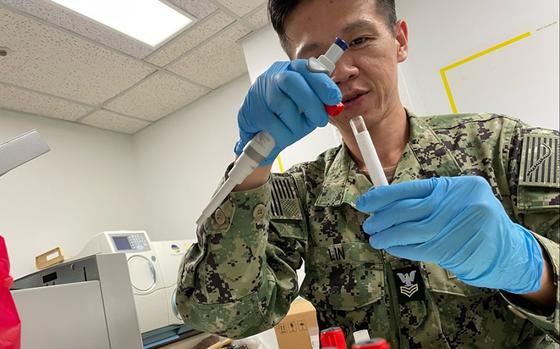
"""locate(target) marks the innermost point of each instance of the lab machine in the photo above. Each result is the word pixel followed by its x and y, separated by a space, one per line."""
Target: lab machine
pixel 146 275
pixel 170 254
pixel 85 303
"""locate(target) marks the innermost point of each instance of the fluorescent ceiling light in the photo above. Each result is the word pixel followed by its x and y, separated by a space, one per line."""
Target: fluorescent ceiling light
pixel 149 21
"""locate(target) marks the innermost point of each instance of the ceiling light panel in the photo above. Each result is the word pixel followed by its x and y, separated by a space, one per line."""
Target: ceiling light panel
pixel 63 17
pixel 50 60
pixel 149 21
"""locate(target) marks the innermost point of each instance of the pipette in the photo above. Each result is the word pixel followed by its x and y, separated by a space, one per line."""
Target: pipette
pixel 367 149
pixel 326 64
pixel 258 148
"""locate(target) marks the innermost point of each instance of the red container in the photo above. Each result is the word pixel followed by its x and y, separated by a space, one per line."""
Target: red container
pixel 10 324
pixel 333 338
pixel 376 343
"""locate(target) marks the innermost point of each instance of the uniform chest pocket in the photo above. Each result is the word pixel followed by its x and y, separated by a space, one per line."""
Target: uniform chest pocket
pixel 345 276
pixel 288 229
pixel 466 311
pixel 441 281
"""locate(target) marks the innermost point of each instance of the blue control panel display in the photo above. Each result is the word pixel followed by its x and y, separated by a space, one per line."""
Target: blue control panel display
pixel 122 243
pixel 130 242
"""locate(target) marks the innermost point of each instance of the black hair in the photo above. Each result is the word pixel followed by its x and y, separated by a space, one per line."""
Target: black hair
pixel 279 10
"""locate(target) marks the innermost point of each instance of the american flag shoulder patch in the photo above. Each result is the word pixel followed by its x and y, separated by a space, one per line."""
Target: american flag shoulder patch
pixel 540 161
pixel 285 203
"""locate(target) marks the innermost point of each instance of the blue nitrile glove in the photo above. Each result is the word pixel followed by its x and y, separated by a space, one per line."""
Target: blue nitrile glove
pixel 287 101
pixel 458 223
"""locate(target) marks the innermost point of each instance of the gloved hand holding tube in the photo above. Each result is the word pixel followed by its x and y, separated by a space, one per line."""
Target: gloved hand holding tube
pixel 458 223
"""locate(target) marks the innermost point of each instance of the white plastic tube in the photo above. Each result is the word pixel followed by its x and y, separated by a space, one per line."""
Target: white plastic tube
pixel 361 336
pixel 367 149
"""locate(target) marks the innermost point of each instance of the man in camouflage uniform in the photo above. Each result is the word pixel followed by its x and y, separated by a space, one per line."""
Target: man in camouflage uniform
pixel 441 262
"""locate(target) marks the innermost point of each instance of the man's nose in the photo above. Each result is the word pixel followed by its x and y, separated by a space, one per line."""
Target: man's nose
pixel 345 70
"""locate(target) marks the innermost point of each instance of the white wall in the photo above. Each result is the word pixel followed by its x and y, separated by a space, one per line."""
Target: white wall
pixel 520 80
pixel 86 184
pixel 182 158
pixel 92 180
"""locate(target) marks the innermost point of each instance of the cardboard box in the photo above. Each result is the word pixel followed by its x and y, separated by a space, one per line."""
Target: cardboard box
pixel 299 329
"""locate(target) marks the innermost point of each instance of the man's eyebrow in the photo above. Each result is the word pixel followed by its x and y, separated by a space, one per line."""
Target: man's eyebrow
pixel 359 24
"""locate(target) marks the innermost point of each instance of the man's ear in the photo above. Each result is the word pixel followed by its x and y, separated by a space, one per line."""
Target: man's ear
pixel 401 37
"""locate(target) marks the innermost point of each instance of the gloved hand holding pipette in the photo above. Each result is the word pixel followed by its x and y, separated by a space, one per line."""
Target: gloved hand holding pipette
pixel 288 102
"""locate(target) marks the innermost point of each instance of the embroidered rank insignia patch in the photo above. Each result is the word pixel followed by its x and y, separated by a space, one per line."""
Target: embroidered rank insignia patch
pixel 285 204
pixel 540 161
pixel 410 286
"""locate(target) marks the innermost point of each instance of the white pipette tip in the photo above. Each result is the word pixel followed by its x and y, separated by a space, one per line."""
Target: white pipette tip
pixel 256 150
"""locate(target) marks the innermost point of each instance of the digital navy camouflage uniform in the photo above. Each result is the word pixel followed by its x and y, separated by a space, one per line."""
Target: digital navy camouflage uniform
pixel 241 276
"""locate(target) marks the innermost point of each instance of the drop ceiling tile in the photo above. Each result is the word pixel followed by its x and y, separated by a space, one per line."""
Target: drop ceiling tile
pixel 68 19
pixel 50 60
pixel 35 103
pixel 190 38
pixel 114 122
pixel 259 18
pixel 217 62
pixel 242 7
pixel 157 96
pixel 197 8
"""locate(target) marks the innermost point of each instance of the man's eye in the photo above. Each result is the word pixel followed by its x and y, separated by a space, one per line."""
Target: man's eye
pixel 359 41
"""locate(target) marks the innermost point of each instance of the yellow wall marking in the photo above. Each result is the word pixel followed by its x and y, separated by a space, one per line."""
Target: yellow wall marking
pixel 280 165
pixel 444 70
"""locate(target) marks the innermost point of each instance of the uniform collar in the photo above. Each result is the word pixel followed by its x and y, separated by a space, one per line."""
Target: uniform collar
pixel 425 156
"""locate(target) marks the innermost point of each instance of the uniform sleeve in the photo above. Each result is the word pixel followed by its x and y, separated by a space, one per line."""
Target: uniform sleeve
pixel 534 166
pixel 240 278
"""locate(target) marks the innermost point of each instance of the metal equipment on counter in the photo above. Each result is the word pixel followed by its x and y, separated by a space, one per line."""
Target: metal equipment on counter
pixel 85 303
